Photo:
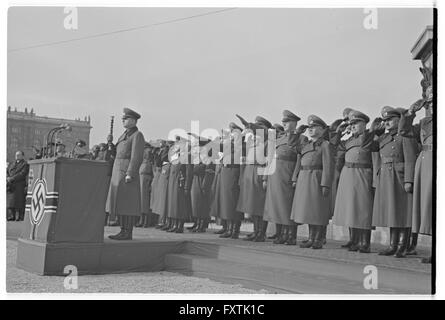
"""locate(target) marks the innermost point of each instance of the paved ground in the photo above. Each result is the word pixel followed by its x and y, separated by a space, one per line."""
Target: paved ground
pixel 19 281
pixel 408 274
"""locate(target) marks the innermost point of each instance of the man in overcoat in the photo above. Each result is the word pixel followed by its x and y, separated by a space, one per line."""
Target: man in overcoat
pixel 16 185
pixel 394 183
pixel 124 195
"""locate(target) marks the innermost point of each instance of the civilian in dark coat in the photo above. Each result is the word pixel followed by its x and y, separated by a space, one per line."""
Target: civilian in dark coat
pixel 16 187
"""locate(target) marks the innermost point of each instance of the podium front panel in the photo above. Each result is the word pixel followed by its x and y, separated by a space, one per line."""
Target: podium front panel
pixel 66 200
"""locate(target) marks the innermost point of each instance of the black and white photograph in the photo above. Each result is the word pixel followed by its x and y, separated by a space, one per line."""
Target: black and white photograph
pixel 248 151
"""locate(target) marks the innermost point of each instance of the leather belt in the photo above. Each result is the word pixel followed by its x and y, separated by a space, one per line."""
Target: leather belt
pixel 358 165
pixel 311 168
pixel 427 147
pixel 287 158
pixel 386 160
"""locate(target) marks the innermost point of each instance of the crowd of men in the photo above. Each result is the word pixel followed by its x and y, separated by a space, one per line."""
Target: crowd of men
pixel 357 176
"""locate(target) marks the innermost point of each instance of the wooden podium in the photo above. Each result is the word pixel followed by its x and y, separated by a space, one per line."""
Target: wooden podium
pixel 65 215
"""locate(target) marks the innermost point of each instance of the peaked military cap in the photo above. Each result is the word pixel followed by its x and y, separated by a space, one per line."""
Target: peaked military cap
pixel 234 126
pixel 290 116
pixel 263 122
pixel 278 127
pixel 313 120
pixel 355 116
pixel 128 113
pixel 346 112
pixel 389 112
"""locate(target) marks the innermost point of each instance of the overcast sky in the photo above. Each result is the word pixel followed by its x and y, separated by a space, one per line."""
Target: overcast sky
pixel 246 61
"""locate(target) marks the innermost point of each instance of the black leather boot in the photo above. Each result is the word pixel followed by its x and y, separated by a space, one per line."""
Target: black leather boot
pixel 153 220
pixel 284 235
pixel 10 214
pixel 174 226
pixel 230 226
pixel 365 243
pixel 255 232
pixel 349 243
pixel 292 240
pixel 140 223
pixel 411 251
pixel 168 225
pixel 403 243
pixel 393 241
pixel 236 229
pixel 118 235
pixel 356 235
pixel 224 227
pixel 277 227
pixel 148 220
pixel 180 226
pixel 318 240
pixel 21 215
pixel 262 234
pixel 324 231
pixel 311 238
pixel 278 233
pixel 202 226
pixel 426 260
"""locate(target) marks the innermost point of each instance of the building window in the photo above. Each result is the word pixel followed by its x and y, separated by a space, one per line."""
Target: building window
pixel 15 130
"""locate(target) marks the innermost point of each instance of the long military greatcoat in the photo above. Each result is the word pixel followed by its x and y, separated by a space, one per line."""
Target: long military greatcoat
pixel 125 198
pixel 313 171
pixel 279 192
pixel 200 192
pixel 226 188
pixel 178 204
pixel 16 188
pixel 146 178
pixel 392 205
pixel 252 194
pixel 423 173
pixel 214 190
pixel 355 198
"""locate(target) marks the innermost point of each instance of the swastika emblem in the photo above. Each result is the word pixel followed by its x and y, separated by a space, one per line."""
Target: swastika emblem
pixel 38 200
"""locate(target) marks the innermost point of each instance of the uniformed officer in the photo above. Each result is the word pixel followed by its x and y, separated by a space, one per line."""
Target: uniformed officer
pixel 278 181
pixel 252 194
pixel 179 183
pixel 394 183
pixel 200 192
pixel 423 183
pixel 160 206
pixel 146 178
pixel 354 202
pixel 312 179
pixel 226 191
pixel 339 129
pixel 124 193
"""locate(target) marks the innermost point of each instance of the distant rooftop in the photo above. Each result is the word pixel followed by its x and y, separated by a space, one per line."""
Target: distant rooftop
pixel 31 116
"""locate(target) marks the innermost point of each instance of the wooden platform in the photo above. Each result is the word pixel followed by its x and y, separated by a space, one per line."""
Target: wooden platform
pixel 275 268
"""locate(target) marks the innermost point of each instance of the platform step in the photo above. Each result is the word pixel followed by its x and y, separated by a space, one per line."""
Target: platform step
pixel 273 279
